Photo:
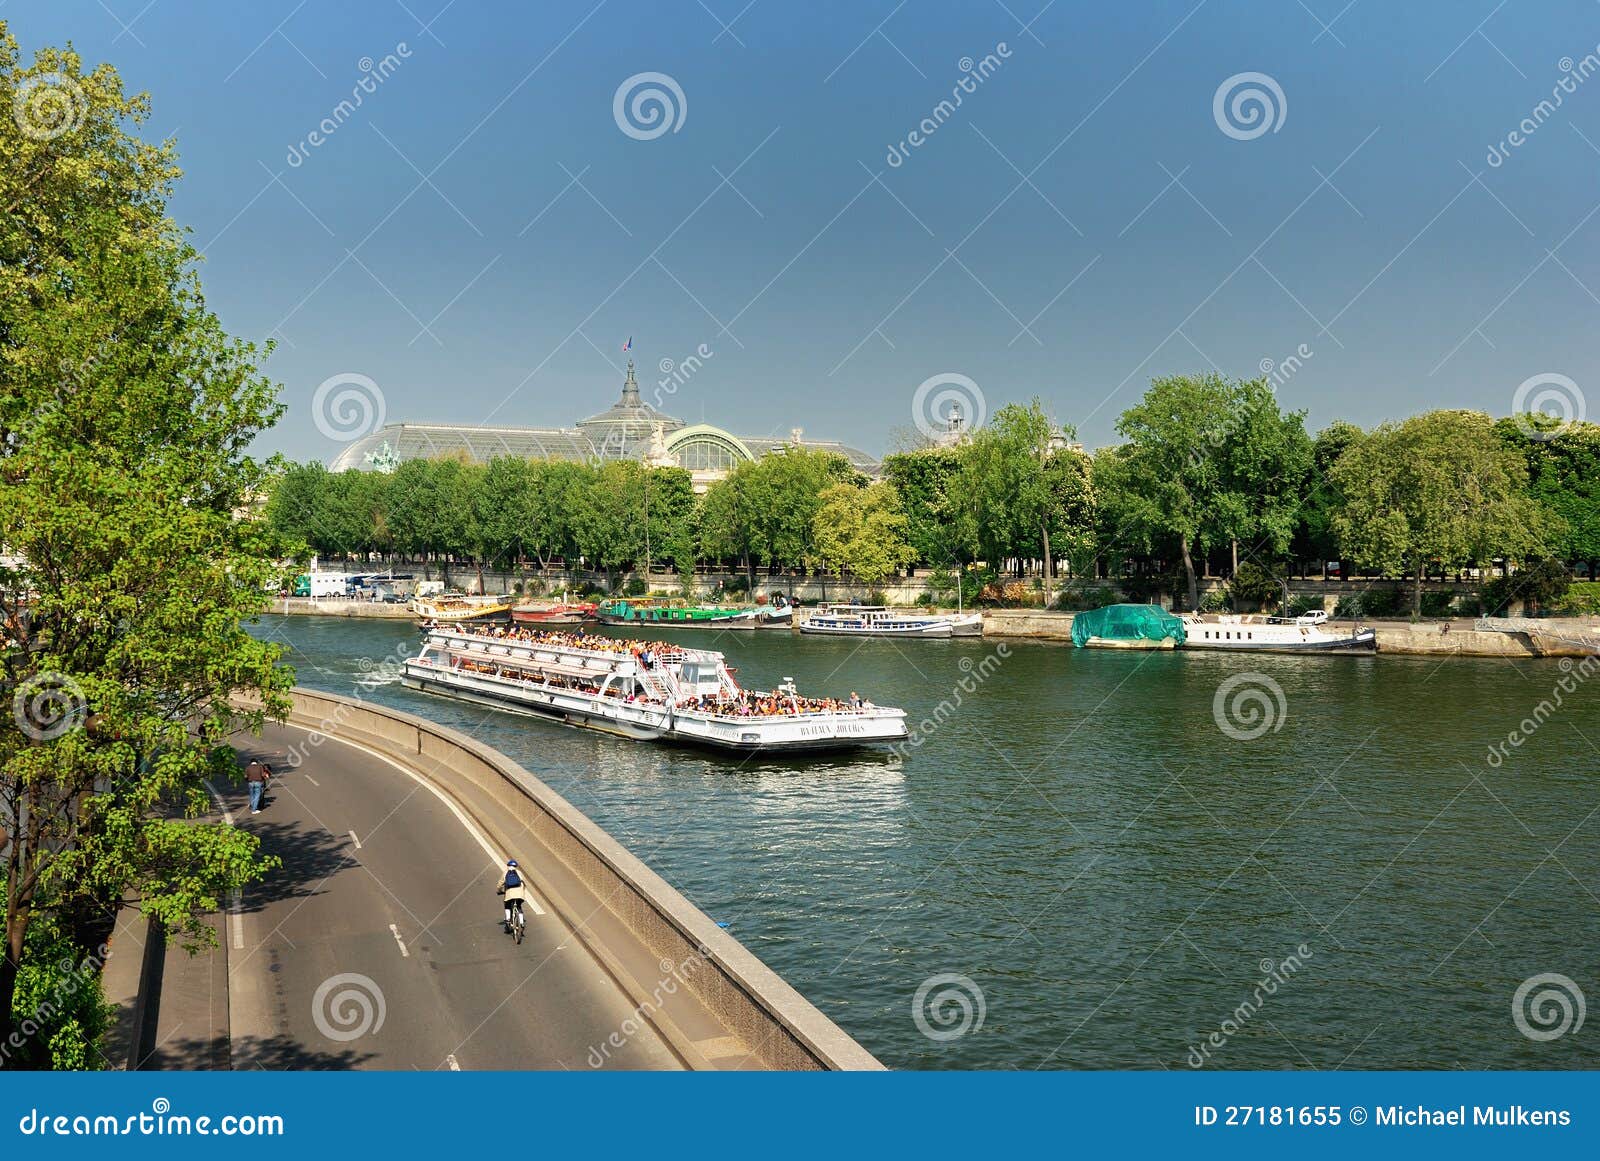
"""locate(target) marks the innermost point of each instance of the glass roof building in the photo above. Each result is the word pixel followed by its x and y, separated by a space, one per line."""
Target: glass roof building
pixel 629 429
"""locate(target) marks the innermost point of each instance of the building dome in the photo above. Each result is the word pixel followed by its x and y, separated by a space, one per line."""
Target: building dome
pixel 628 424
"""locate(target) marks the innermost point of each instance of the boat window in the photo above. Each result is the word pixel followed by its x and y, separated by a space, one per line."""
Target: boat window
pixel 1250 636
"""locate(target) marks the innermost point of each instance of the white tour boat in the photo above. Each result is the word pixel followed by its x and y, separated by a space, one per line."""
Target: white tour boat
pixel 881 621
pixel 1247 633
pixel 650 691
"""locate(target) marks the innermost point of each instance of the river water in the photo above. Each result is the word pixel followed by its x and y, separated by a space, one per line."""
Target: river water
pixel 1079 867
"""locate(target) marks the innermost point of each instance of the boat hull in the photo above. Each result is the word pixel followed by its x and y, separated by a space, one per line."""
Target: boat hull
pixel 1130 643
pixel 550 616
pixel 1278 639
pixel 931 629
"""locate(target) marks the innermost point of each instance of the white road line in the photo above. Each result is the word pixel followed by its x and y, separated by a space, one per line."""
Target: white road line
pixel 355 840
pixel 497 859
pixel 403 950
pixel 312 780
pixel 235 898
pixel 451 1061
pixel 227 815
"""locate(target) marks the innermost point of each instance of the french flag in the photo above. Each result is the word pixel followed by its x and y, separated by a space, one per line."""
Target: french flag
pixel 628 346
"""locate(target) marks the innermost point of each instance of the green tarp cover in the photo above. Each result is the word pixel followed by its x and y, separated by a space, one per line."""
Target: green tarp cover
pixel 1126 623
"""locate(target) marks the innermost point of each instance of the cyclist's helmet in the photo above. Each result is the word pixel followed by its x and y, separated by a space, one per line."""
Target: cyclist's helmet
pixel 511 862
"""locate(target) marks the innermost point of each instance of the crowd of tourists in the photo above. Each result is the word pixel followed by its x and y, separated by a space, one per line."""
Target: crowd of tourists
pixel 744 704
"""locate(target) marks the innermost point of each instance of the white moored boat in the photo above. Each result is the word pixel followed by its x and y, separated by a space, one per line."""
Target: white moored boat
pixel 1245 633
pixel 881 621
pixel 646 690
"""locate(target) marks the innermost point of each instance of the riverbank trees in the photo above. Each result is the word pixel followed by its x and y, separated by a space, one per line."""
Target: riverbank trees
pixel 124 414
pixel 1440 488
pixel 1214 475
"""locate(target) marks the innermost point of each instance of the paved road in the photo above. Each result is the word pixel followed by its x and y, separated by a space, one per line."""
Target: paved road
pixel 385 906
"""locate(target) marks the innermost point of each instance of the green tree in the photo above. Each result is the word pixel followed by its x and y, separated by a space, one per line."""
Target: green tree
pixel 1315 538
pixel 1168 478
pixel 922 479
pixel 297 495
pixel 608 520
pixel 1439 488
pixel 125 412
pixel 1265 461
pixel 862 531
pixel 765 510
pixel 429 508
pixel 1014 490
pixel 1564 474
pixel 554 487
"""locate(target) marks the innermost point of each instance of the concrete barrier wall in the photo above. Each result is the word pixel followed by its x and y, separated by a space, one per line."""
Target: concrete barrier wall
pixel 750 1000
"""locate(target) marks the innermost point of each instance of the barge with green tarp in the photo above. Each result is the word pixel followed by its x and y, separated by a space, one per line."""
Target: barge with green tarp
pixel 1127 627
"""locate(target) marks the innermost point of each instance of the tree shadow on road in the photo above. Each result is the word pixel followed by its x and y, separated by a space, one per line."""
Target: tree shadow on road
pixel 266 1053
pixel 310 858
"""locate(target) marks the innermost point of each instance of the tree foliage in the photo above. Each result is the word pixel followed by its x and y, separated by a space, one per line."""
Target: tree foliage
pixel 1438 489
pixel 125 414
pixel 862 531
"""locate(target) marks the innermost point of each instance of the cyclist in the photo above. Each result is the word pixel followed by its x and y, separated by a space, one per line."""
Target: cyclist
pixel 514 887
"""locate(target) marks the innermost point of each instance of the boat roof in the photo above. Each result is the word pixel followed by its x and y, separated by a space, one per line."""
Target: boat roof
pixel 666 650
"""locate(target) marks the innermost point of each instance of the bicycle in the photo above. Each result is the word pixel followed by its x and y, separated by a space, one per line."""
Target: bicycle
pixel 519 922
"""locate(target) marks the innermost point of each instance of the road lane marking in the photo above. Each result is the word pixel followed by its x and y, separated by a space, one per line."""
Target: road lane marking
pixel 235 897
pixel 313 781
pixel 495 857
pixel 355 840
pixel 403 950
pixel 227 815
pixel 451 1061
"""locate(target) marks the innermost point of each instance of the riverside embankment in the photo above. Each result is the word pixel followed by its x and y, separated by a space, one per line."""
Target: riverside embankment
pixel 1555 637
pixel 1494 637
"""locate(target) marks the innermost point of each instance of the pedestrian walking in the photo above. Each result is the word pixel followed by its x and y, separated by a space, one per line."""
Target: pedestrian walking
pixel 255 777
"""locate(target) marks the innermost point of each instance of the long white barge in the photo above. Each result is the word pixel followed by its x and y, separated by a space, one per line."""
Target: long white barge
pixel 648 691
pixel 1311 633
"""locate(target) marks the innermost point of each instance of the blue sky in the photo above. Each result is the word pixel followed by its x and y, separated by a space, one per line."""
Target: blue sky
pixel 481 235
